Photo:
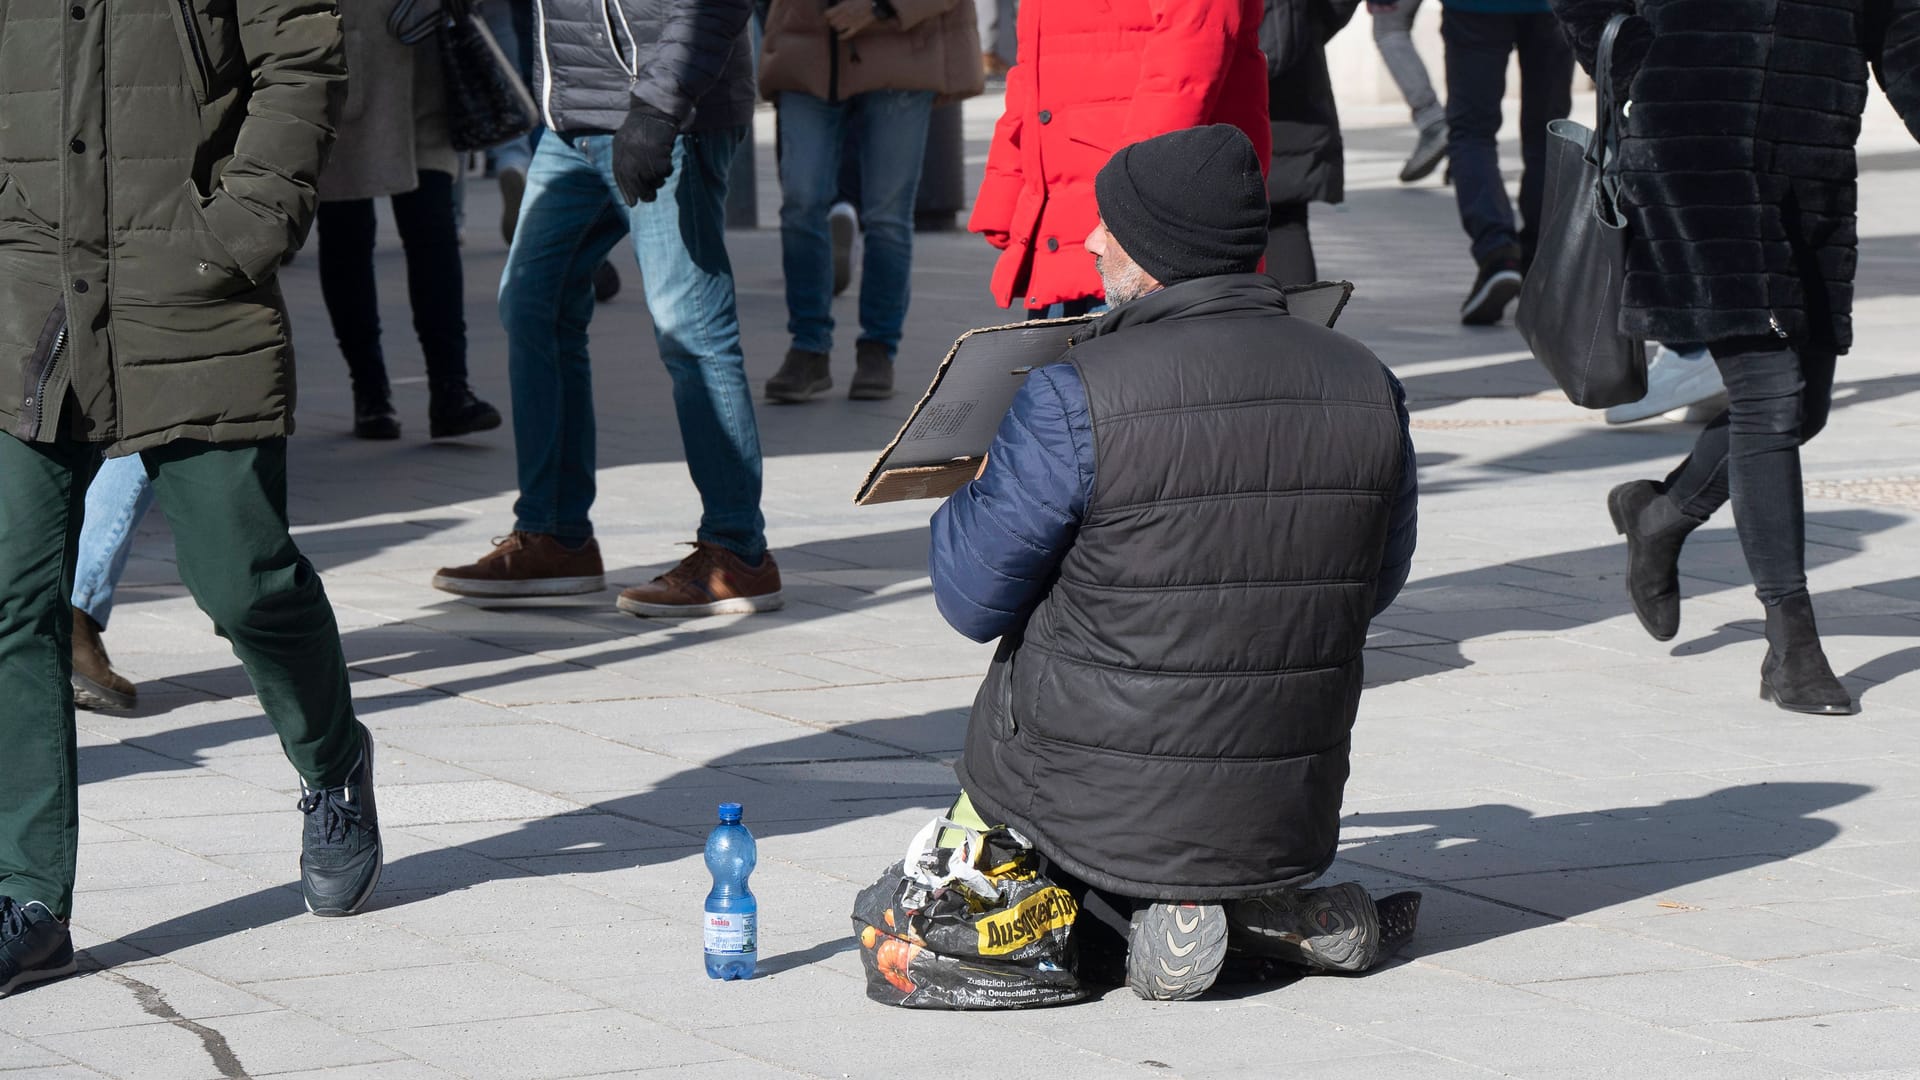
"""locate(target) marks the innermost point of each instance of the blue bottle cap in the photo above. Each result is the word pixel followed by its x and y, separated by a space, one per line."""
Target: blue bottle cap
pixel 729 813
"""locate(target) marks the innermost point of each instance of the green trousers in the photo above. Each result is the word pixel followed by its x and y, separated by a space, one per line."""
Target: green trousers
pixel 228 509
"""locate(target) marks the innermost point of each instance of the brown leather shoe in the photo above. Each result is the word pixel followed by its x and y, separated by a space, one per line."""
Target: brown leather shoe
pixel 711 581
pixel 528 564
pixel 95 684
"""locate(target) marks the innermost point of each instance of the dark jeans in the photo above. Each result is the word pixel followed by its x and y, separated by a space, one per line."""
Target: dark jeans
pixel 228 509
pixel 1778 398
pixel 1477 47
pixel 1290 245
pixel 435 287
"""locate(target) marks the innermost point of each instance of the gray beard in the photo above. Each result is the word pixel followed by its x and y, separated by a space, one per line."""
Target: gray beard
pixel 1123 286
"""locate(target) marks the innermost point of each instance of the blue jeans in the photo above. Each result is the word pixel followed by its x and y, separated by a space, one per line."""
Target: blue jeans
pixel 1477 47
pixel 890 129
pixel 118 498
pixel 571 218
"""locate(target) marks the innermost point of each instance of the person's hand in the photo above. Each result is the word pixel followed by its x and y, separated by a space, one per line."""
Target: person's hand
pixel 643 153
pixel 983 467
pixel 850 18
pixel 998 238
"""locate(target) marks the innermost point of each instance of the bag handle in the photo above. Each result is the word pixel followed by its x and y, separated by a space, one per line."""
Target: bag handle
pixel 919 860
pixel 1606 125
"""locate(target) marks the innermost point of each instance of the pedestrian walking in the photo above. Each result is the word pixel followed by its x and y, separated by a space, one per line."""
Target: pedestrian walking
pixel 392 143
pixel 1393 36
pixel 645 104
pixel 1091 79
pixel 1309 158
pixel 1480 36
pixel 141 231
pixel 1738 174
pixel 875 72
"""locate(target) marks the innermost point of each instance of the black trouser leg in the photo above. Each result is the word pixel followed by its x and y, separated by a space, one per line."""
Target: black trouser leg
pixel 435 285
pixel 352 295
pixel 1290 245
pixel 1778 399
pixel 1546 95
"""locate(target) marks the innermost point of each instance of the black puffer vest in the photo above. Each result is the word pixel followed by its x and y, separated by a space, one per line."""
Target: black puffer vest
pixel 1173 720
pixel 699 68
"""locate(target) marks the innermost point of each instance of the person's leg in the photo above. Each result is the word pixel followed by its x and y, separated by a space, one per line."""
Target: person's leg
pixel 1393 36
pixel 228 509
pixel 117 500
pixel 352 296
pixel 891 132
pixel 1546 95
pixel 436 284
pixel 1477 45
pixel 568 225
pixel 1290 245
pixel 1767 394
pixel 810 132
pixel 43 492
pixel 680 240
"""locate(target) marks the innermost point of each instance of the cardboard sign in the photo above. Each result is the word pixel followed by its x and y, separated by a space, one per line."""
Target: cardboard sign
pixel 939 449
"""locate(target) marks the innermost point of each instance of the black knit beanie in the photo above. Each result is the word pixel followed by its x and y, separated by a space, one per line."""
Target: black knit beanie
pixel 1187 204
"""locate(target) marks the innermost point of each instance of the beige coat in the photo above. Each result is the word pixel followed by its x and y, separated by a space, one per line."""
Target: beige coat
pixel 394 125
pixel 934 45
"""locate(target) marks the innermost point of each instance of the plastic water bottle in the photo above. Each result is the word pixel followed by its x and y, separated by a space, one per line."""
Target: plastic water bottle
pixel 732 916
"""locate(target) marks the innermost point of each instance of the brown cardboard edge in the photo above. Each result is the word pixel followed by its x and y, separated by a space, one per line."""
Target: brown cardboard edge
pixel 865 496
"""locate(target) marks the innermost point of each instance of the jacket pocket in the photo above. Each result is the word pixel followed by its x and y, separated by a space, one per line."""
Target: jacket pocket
pixel 15 210
pixel 193 48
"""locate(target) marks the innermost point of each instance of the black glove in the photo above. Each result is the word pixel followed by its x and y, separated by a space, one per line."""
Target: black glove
pixel 643 153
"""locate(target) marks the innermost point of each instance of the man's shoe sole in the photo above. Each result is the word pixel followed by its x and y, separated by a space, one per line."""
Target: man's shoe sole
pixel 93 697
pixel 1485 307
pixel 38 975
pixel 1175 951
pixel 798 394
pixel 869 393
pixel 454 431
pixel 559 586
pixel 1354 947
pixel 739 605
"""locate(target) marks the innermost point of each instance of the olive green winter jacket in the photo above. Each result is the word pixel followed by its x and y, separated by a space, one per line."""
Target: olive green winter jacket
pixel 157 160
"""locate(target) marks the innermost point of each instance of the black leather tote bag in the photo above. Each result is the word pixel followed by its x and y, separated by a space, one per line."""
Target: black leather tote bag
pixel 486 101
pixel 1569 309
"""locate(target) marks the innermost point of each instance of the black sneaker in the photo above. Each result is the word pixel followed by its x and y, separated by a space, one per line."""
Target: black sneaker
pixel 340 845
pixel 34 946
pixel 373 415
pixel 606 282
pixel 455 411
pixel 1174 951
pixel 872 372
pixel 1499 282
pixel 1331 929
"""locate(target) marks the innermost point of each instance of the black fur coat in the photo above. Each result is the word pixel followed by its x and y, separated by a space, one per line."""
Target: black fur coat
pixel 1738 156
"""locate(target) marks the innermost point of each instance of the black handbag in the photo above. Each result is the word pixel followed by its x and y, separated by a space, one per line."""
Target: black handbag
pixel 486 101
pixel 1569 309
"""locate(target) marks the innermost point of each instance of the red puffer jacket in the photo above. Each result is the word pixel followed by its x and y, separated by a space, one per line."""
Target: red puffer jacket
pixel 1094 76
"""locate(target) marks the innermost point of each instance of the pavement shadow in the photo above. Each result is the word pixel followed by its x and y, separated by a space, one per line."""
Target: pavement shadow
pixel 1554 593
pixel 792 787
pixel 1532 870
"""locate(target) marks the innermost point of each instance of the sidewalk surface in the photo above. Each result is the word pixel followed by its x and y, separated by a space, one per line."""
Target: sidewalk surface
pixel 1633 868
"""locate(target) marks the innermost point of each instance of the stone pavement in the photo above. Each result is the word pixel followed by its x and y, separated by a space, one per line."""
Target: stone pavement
pixel 1632 867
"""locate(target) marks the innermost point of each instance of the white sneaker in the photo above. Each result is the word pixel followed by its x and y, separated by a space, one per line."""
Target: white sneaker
pixel 1675 380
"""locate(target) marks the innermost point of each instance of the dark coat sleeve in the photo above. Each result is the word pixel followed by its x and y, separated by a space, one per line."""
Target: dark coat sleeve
pixel 998 542
pixel 1585 20
pixel 696 39
pixel 1894 48
pixel 1402 525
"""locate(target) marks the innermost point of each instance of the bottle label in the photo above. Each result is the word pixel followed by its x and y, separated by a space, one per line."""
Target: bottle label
pixel 731 932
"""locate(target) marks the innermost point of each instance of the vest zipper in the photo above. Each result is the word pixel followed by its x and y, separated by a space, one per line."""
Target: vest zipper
pixel 199 50
pixel 833 64
pixel 546 65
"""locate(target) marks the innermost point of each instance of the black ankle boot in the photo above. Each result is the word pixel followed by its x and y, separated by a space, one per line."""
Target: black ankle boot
pixel 1655 530
pixel 1795 675
pixel 454 410
pixel 373 415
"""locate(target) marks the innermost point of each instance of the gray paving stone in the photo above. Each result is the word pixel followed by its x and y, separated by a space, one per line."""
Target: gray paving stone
pixel 261 1044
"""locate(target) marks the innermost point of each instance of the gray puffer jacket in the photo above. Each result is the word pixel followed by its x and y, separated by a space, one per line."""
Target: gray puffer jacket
pixel 689 59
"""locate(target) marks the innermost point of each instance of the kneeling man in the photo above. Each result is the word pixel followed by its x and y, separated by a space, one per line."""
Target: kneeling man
pixel 1180 535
